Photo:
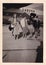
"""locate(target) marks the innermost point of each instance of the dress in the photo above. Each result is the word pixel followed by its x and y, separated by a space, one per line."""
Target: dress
pixel 17 28
pixel 24 25
pixel 31 28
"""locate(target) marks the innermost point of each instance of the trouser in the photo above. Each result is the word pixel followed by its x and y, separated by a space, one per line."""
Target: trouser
pixel 24 31
pixel 37 32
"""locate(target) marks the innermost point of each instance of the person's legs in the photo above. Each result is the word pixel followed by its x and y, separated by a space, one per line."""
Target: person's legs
pixel 16 32
pixel 25 30
pixel 13 32
pixel 36 33
pixel 33 33
pixel 23 33
pixel 15 36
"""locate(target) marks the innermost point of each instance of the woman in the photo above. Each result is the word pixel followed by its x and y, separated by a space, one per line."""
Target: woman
pixel 11 26
pixel 24 26
pixel 16 27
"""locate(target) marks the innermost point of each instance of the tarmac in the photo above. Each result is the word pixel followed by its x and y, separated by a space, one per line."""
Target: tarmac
pixel 19 50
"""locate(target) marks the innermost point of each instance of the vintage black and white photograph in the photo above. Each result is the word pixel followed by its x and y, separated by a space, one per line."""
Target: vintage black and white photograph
pixel 22 32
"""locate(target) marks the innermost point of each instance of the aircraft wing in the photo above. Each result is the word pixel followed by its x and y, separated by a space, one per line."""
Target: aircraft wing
pixel 15 5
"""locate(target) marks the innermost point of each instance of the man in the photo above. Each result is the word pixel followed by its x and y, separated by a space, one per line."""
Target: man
pixel 36 24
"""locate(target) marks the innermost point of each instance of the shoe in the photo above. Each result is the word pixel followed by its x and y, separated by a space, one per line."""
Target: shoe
pixel 12 34
pixel 35 36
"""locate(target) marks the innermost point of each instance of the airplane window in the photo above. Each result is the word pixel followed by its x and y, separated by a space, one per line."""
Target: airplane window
pixel 25 9
pixel 29 10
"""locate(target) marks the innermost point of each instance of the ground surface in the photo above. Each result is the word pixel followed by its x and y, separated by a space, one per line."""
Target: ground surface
pixel 20 50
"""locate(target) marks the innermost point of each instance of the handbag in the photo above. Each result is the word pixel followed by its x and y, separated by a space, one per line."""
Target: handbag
pixel 11 27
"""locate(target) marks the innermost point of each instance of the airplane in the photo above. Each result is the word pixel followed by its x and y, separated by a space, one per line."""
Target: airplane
pixel 36 8
pixel 11 8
